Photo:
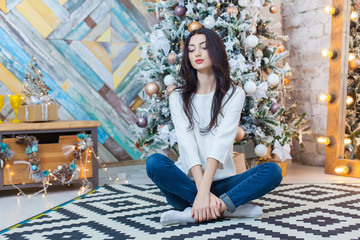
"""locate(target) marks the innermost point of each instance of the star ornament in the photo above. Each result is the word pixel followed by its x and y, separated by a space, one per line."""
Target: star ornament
pixel 229 44
pixel 283 152
pixel 278 131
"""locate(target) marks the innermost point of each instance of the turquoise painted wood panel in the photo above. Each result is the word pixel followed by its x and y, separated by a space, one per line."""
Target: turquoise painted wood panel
pixel 80 81
pixel 124 35
pixel 128 22
pixel 79 32
pixel 74 59
pixel 72 5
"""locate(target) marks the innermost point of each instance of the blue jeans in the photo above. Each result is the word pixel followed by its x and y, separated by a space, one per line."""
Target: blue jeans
pixel 180 191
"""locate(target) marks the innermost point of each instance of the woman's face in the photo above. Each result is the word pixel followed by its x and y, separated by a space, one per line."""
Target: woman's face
pixel 198 53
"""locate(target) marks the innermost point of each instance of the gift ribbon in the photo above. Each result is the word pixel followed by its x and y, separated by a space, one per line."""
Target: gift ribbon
pixel 26 113
pixel 44 112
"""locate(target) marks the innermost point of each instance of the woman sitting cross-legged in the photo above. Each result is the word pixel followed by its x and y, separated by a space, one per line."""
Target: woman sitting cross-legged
pixel 206 111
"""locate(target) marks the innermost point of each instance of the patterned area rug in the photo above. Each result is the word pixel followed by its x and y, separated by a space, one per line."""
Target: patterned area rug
pixel 292 211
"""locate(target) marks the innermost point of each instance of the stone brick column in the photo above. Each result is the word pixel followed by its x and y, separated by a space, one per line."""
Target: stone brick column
pixel 309 30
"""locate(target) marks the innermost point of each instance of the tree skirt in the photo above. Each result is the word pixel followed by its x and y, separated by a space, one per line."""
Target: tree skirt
pixel 291 211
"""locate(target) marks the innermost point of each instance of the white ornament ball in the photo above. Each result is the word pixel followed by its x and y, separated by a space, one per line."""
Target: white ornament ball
pixel 251 41
pixel 260 150
pixel 168 80
pixel 243 3
pixel 60 167
pixel 273 79
pixel 258 53
pixel 250 87
pixel 209 22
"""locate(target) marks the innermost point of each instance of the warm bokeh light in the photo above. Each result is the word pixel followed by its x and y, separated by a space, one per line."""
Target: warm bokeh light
pixel 349 100
pixel 351 56
pixel 347 141
pixel 324 97
pixel 323 140
pixel 327 53
pixel 354 15
pixel 329 9
pixel 342 169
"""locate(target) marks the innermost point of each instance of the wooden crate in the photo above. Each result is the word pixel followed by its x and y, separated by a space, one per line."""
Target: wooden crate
pixel 51 156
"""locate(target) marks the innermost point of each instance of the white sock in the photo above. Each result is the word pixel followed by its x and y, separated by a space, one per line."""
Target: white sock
pixel 176 217
pixel 245 211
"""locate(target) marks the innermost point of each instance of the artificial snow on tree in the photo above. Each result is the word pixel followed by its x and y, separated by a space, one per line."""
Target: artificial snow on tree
pixel 352 123
pixel 255 65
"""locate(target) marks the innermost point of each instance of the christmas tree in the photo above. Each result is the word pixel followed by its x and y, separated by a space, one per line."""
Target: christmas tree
pixel 257 65
pixel 35 89
pixel 352 123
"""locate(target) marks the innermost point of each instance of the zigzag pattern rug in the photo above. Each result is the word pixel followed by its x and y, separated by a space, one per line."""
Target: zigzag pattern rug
pixel 291 211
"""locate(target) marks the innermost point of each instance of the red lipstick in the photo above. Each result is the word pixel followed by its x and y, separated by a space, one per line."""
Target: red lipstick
pixel 199 61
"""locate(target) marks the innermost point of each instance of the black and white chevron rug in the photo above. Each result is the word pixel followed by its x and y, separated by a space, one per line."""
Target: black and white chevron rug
pixel 292 211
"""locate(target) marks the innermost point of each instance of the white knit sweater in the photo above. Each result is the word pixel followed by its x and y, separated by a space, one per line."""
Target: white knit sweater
pixel 196 148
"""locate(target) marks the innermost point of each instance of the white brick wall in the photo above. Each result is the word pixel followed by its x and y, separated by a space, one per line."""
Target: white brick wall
pixel 309 29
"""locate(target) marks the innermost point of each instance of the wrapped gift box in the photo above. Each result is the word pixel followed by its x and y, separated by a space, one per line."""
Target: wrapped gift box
pixel 239 161
pixel 38 113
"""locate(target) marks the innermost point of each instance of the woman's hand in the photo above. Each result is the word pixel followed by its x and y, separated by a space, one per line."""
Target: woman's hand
pixel 206 206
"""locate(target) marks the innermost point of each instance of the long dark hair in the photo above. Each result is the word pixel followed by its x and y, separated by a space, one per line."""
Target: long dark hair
pixel 221 68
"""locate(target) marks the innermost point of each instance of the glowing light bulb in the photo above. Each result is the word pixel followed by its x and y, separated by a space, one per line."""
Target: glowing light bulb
pixel 351 56
pixel 327 53
pixel 354 15
pixel 347 141
pixel 323 140
pixel 342 169
pixel 324 97
pixel 329 9
pixel 349 100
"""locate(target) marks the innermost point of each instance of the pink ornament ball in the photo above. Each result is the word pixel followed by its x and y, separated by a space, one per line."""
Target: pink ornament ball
pixel 180 10
pixel 275 107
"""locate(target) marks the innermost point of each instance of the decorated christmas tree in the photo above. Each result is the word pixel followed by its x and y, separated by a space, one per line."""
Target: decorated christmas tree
pixel 352 127
pixel 35 89
pixel 257 65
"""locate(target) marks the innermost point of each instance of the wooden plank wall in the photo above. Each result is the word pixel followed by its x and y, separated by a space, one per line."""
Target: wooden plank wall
pixel 87 50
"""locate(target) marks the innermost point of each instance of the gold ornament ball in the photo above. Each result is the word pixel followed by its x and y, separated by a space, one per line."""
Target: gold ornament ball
pixel 170 89
pixel 273 9
pixel 239 134
pixel 265 4
pixel 281 47
pixel 354 64
pixel 272 46
pixel 151 88
pixel 172 58
pixel 194 26
pixel 232 10
pixel 286 80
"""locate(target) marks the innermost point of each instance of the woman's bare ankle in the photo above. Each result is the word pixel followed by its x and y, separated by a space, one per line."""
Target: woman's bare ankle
pixel 223 207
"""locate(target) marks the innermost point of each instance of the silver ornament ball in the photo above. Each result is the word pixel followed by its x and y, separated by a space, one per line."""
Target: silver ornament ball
pixel 141 122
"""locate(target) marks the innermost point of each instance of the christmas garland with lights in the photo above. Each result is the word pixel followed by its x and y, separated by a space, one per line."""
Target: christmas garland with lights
pixel 5 155
pixel 65 173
